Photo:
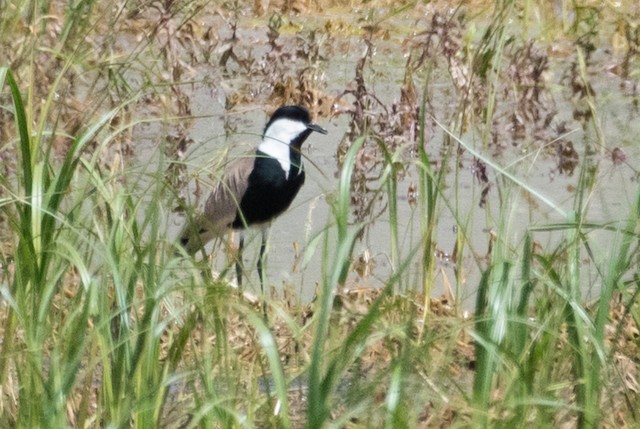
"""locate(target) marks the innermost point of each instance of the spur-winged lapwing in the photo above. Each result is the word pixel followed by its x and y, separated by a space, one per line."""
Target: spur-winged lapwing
pixel 254 190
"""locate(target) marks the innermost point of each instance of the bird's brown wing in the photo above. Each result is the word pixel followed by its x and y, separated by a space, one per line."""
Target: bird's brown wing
pixel 223 202
pixel 221 206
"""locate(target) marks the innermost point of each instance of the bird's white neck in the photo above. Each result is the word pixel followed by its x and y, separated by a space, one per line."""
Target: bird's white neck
pixel 277 150
pixel 277 138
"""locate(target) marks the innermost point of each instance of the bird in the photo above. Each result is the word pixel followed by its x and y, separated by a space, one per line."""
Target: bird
pixel 255 189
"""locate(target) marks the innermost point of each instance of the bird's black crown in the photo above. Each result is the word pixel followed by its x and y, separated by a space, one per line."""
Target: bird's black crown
pixel 295 113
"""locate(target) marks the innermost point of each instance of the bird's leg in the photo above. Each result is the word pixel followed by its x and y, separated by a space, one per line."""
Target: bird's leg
pixel 239 261
pixel 263 248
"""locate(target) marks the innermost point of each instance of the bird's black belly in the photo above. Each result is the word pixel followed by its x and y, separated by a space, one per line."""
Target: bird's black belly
pixel 269 192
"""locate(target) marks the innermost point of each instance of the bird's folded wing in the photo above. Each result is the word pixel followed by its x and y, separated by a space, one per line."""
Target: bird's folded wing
pixel 224 202
pixel 221 207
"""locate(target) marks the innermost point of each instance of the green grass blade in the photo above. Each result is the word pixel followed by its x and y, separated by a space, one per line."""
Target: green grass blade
pixel 498 168
pixel 339 260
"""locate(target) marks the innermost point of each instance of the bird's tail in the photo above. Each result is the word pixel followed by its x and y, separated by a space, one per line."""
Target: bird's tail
pixel 196 233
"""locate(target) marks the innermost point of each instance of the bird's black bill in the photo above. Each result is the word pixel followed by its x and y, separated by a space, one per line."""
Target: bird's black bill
pixel 316 128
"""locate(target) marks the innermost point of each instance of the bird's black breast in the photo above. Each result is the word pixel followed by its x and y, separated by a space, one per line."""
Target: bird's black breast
pixel 269 191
